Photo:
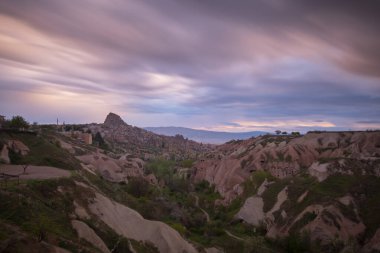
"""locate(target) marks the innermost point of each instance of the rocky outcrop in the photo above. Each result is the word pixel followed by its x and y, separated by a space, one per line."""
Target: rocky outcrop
pixel 88 234
pixel 231 164
pixel 324 223
pixel 131 224
pixel 252 211
pixel 226 175
pixel 330 224
pixel 114 170
pixel 4 155
pixel 113 121
pixel 319 171
pixel 374 244
pixel 125 138
pixel 18 147
pixel 281 198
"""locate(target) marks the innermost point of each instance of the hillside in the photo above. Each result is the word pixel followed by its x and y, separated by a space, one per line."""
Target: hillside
pixel 204 136
pixel 323 184
pixel 313 193
pixel 125 138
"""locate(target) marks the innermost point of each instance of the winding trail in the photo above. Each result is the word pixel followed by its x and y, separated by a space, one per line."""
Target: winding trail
pixel 208 218
pixel 233 236
pixel 200 208
pixel 34 172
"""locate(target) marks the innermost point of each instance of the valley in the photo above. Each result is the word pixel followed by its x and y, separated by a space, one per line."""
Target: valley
pixel 131 190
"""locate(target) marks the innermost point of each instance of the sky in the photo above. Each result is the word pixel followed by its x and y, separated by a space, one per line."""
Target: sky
pixel 241 65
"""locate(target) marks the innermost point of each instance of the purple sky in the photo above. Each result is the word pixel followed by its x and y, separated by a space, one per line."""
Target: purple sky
pixel 216 64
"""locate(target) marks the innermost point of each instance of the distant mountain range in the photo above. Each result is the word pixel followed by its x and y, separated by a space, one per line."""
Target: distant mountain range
pixel 204 136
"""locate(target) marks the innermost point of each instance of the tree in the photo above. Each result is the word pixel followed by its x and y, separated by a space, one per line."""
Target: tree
pixel 296 133
pixel 98 139
pixel 278 132
pixel 18 122
pixel 284 133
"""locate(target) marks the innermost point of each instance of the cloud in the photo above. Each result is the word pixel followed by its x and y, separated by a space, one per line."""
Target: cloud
pixel 201 62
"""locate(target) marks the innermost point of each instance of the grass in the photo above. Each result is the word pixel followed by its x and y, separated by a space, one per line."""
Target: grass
pixel 270 194
pixel 43 151
pixel 41 211
pixel 117 243
pixel 306 219
pixel 364 189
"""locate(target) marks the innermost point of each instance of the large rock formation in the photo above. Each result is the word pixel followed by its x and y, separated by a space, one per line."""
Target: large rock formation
pixel 114 170
pixel 113 121
pixel 18 147
pixel 88 234
pixel 231 164
pixel 131 224
pixel 124 138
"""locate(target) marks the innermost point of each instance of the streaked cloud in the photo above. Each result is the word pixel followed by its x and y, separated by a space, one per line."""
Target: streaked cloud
pixel 271 125
pixel 250 64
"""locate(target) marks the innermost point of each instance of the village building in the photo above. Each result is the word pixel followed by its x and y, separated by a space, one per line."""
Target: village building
pixel 87 138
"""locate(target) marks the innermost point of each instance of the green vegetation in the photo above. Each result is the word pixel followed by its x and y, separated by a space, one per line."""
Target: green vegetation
pixel 17 122
pixel 296 243
pixel 161 168
pixel 270 194
pixel 328 191
pixel 41 211
pixel 43 151
pixel 117 243
pixel 99 141
pixel 306 219
pixel 187 163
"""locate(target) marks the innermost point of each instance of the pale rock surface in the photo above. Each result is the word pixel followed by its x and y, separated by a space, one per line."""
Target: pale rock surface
pixel 88 234
pixel 323 228
pixel 114 170
pixel 282 196
pixel 345 200
pixel 373 244
pixel 80 211
pixel 18 147
pixel 252 211
pixel 131 224
pixel 56 249
pixel 302 197
pixel 262 187
pixel 319 171
pixel 67 146
pixel 327 231
pixel 4 155
pixel 282 159
pixel 213 250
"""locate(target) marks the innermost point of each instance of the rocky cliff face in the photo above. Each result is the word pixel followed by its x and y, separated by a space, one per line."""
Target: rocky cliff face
pixel 124 138
pixel 323 184
pixel 113 121
pixel 231 164
pixel 319 183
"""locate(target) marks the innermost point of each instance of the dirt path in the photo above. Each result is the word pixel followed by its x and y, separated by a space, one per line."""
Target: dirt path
pixel 203 211
pixel 34 172
pixel 233 236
